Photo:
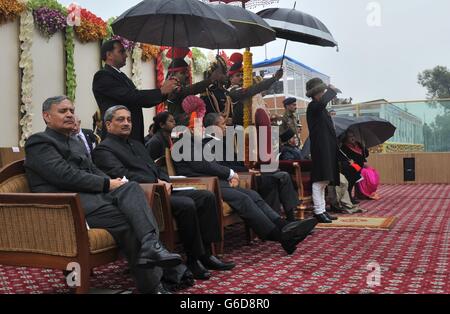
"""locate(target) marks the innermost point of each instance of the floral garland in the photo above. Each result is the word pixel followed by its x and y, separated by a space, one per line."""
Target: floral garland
pixel 248 81
pixel 92 27
pixel 136 68
pixel 199 61
pixel 50 16
pixel 10 9
pixel 149 52
pixel 160 77
pixel 26 64
pixel 71 77
pixel 49 21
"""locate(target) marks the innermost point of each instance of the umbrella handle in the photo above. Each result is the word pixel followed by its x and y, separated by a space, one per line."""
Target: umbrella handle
pixel 285 45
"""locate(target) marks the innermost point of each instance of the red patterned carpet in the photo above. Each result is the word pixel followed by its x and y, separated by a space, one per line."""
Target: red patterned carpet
pixel 413 256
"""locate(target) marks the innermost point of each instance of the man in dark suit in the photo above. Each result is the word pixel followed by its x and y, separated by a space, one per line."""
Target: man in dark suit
pixel 266 223
pixel 324 145
pixel 276 188
pixel 196 212
pixel 56 163
pixel 112 87
pixel 85 136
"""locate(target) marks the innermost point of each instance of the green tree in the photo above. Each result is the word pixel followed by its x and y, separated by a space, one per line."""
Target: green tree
pixel 437 83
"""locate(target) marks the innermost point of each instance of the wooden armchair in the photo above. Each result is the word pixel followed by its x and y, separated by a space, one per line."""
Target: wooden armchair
pixel 10 154
pixel 226 214
pixel 300 171
pixel 49 230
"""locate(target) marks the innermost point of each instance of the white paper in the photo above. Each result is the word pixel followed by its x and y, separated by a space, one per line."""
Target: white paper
pixel 185 188
pixel 16 149
pixel 177 177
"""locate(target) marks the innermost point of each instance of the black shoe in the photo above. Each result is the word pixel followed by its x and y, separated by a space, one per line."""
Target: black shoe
pixel 290 217
pixel 298 229
pixel 212 262
pixel 198 270
pixel 323 219
pixel 153 253
pixel 296 232
pixel 162 290
pixel 330 217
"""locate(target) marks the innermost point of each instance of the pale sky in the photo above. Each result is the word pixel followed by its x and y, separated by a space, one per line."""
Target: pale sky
pixel 373 62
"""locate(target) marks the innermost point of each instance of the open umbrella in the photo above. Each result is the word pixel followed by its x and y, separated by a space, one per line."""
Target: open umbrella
pixel 252 3
pixel 297 26
pixel 187 23
pixel 252 30
pixel 369 131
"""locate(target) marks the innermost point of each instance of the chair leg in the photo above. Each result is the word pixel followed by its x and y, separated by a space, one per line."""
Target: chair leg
pixel 250 234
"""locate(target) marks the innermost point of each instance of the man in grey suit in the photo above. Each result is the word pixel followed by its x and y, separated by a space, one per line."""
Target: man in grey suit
pixel 56 162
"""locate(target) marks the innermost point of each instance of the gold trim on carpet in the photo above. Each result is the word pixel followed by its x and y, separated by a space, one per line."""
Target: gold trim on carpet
pixel 354 222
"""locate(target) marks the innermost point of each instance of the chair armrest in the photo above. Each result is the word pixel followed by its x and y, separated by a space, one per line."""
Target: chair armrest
pixel 159 202
pixel 201 183
pixel 247 180
pixel 45 223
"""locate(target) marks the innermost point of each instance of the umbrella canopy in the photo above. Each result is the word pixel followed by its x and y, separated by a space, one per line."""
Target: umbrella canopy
pixel 297 26
pixel 252 30
pixel 369 131
pixel 187 23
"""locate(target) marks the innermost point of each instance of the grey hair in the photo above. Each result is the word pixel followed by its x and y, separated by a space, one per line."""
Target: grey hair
pixel 109 114
pixel 211 119
pixel 47 105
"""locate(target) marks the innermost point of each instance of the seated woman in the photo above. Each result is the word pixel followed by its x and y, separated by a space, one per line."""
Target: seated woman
pixel 356 169
pixel 164 123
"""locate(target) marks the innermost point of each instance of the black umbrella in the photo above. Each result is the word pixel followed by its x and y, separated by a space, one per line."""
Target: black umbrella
pixel 252 30
pixel 369 131
pixel 186 23
pixel 297 26
pixel 294 25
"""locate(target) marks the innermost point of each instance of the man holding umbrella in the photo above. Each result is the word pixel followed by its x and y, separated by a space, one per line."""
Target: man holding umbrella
pixel 324 145
pixel 112 87
pixel 178 70
pixel 239 94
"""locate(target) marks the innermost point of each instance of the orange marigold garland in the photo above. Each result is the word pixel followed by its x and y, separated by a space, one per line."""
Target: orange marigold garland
pixel 10 9
pixel 149 52
pixel 92 27
pixel 160 77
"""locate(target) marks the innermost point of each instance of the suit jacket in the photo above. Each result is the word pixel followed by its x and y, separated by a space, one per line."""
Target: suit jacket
pixel 112 88
pixel 156 146
pixel 56 163
pixel 235 164
pixel 120 157
pixel 192 168
pixel 324 145
pixel 91 138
